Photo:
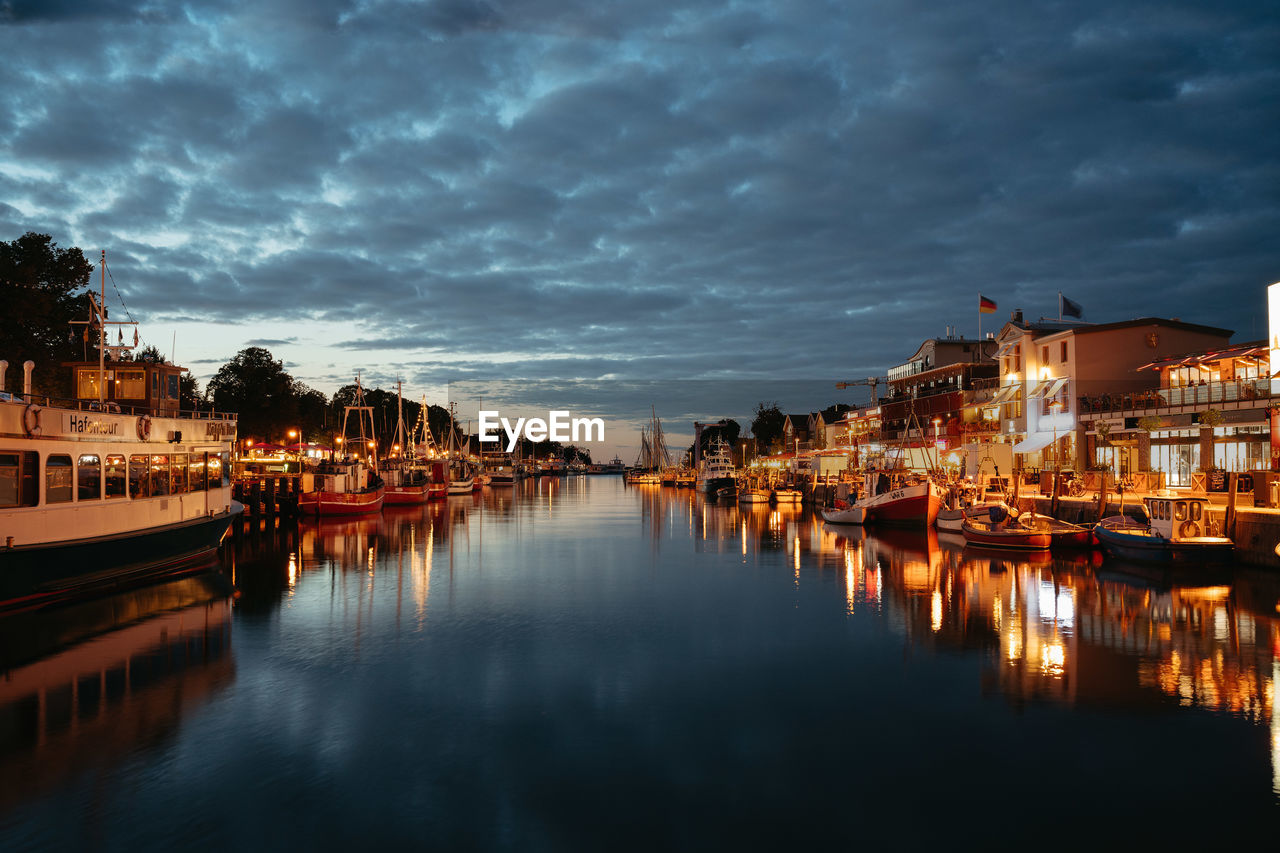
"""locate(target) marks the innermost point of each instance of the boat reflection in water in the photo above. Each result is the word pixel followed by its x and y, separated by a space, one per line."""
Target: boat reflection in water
pixel 1070 629
pixel 86 685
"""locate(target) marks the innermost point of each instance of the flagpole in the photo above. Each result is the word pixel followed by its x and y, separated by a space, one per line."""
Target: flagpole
pixel 979 322
pixel 1059 306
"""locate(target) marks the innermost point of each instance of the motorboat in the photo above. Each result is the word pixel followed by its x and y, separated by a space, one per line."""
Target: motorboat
pixel 1178 531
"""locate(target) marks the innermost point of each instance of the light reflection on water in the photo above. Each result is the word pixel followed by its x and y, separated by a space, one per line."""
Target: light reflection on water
pixel 575 663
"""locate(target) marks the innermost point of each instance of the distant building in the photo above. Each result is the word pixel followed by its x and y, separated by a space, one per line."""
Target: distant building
pixel 946 380
pixel 1048 365
pixel 1209 410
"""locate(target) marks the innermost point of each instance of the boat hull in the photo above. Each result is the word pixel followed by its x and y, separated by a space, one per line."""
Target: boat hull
pixel 1006 538
pixel 1145 548
pixel 37 574
pixel 407 495
pixel 849 515
pixel 341 503
pixel 909 506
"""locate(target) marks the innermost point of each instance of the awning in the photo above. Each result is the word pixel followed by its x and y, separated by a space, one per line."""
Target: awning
pixel 1005 349
pixel 1033 442
pixel 1039 389
pixel 1055 387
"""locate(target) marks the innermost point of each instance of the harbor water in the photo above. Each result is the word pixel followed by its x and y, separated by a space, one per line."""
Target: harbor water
pixel 576 664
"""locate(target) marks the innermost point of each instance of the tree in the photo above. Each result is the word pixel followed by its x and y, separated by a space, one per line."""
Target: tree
pixel 39 289
pixel 256 386
pixel 767 425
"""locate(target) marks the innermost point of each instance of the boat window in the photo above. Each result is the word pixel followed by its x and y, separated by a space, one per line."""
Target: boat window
pixel 215 470
pixel 196 475
pixel 179 473
pixel 19 483
pixel 139 479
pixel 131 385
pixel 89 478
pixel 226 469
pixel 159 475
pixel 57 479
pixel 1180 511
pixel 87 383
pixel 116 476
pixel 1195 510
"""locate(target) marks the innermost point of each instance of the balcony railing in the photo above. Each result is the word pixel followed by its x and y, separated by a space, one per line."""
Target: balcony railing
pixel 1236 391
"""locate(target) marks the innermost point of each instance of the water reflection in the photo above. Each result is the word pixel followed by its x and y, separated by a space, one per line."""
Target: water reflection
pixel 1066 629
pixel 87 684
pixel 571 662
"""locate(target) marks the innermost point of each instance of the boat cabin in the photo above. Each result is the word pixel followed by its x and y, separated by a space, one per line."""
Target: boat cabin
pixel 131 386
pixel 1178 517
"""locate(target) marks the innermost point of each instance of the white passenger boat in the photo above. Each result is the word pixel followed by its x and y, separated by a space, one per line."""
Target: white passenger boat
pixel 113 486
pixel 716 470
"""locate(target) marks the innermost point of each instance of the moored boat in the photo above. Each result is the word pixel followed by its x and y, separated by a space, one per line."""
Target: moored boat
pixel 899 499
pixel 715 471
pixel 1005 533
pixel 949 519
pixel 350 485
pixel 104 490
pixel 844 513
pixel 785 495
pixel 1177 533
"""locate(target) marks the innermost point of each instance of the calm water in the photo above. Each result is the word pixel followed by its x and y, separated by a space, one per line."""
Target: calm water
pixel 583 665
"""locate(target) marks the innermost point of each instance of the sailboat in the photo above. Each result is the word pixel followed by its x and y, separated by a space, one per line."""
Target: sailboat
pixel 350 485
pixel 653 457
pixel 406 483
pixel 461 471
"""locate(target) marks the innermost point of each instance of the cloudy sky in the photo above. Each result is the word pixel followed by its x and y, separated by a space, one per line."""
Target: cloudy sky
pixel 445 190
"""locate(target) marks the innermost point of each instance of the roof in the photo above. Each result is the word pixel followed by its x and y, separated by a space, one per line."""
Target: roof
pixel 1253 349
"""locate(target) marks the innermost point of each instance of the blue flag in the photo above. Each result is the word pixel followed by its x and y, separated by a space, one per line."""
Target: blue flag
pixel 1069 308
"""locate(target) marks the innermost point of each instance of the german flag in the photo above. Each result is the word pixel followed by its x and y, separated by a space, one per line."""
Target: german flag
pixel 985 305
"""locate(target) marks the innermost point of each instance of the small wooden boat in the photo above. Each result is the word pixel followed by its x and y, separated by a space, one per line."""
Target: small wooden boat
pixel 1064 534
pixel 786 496
pixel 949 520
pixel 844 513
pixel 1005 534
pixel 1177 534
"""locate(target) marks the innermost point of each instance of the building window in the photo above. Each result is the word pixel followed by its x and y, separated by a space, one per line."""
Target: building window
pixel 57 479
pixel 1044 356
pixel 173 386
pixel 89 478
pixel 1064 352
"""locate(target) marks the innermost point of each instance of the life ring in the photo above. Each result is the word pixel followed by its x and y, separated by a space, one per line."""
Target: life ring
pixel 1189 530
pixel 31 420
pixel 144 427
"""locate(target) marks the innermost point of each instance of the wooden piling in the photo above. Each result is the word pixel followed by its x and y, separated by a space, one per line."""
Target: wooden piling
pixel 1231 506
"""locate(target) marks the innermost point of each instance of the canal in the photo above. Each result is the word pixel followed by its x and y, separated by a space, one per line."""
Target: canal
pixel 575 664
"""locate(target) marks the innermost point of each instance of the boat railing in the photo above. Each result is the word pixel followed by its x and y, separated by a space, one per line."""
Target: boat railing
pixel 112 407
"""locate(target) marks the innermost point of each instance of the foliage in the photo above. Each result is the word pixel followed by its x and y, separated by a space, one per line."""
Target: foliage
pixel 767 425
pixel 1211 418
pixel 40 286
pixel 256 386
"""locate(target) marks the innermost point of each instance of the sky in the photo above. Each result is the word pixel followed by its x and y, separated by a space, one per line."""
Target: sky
pixel 451 191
